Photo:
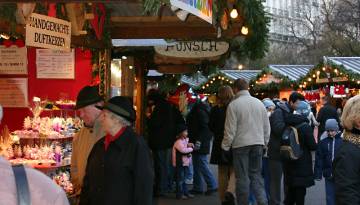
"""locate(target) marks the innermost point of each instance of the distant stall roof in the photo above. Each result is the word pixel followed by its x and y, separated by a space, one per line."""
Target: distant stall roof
pixel 294 72
pixel 350 63
pixel 154 73
pixel 193 81
pixel 246 74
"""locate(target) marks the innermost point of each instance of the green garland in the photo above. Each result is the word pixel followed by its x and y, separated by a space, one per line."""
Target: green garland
pixel 252 46
pixel 213 83
pixel 309 81
pixel 273 87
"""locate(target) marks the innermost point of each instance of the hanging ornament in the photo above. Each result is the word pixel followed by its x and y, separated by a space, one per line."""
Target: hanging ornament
pixel 7 43
pixel 224 22
pixel 52 10
pixel 99 19
pixel 24 10
pixel 19 43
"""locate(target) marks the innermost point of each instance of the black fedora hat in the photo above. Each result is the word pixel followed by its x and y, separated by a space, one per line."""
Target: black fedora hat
pixel 121 106
pixel 88 95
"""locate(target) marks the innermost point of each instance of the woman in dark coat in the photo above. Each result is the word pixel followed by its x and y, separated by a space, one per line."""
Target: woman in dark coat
pixel 298 174
pixel 216 124
pixel 346 165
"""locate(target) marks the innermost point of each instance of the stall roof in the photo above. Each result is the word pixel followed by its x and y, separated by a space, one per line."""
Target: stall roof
pixel 350 63
pixel 294 72
pixel 246 74
pixel 193 81
pixel 154 73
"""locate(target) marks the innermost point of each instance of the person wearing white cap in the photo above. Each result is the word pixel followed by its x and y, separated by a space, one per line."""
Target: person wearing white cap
pixel 325 154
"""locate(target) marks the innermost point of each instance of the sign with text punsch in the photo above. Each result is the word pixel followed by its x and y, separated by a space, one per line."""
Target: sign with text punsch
pixel 193 49
pixel 48 32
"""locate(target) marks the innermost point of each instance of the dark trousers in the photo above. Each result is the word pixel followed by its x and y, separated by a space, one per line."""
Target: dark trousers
pixel 162 166
pixel 181 188
pixel 276 174
pixel 295 195
pixel 330 192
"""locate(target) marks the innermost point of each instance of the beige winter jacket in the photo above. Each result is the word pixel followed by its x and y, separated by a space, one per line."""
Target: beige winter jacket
pixel 246 122
pixel 82 144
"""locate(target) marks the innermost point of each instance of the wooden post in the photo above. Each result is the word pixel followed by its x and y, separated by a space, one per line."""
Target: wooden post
pixel 140 95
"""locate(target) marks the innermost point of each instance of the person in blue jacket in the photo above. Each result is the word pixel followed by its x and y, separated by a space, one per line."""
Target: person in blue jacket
pixel 325 155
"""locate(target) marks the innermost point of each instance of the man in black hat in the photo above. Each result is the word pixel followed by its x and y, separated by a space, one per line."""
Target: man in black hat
pixel 128 169
pixel 85 139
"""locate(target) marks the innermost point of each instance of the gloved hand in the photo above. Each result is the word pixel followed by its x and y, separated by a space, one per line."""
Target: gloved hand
pixel 197 145
pixel 226 156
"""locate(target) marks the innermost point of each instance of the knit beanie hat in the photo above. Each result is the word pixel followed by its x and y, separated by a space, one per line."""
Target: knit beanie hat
pixel 303 108
pixel 331 124
pixel 268 103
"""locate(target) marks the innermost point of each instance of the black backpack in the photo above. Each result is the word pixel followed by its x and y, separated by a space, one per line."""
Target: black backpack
pixel 290 148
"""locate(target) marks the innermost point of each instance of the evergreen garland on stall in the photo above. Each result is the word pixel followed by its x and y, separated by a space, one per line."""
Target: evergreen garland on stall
pixel 329 70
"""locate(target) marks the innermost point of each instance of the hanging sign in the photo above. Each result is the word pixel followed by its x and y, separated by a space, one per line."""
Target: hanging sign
pixel 193 49
pixel 55 64
pixel 327 80
pixel 14 92
pixel 13 60
pixel 200 8
pixel 48 32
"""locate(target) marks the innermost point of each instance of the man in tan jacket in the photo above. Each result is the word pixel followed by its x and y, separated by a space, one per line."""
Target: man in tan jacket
pixel 84 140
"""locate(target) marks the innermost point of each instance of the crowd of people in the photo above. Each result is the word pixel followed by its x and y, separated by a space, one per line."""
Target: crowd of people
pixel 247 136
pixel 254 143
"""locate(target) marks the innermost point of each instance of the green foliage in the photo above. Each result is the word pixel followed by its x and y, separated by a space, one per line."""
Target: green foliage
pixel 255 44
pixel 7 12
pixel 214 82
pixel 273 87
pixel 153 6
pixel 252 46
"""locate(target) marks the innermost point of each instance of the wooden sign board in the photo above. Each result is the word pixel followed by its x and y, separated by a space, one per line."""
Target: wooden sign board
pixel 13 60
pixel 193 49
pixel 336 79
pixel 14 92
pixel 48 32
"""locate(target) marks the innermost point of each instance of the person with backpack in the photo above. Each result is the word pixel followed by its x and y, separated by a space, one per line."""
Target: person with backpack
pixel 298 171
pixel 277 123
pixel 325 154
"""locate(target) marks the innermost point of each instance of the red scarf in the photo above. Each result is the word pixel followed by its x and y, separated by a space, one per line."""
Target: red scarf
pixel 109 138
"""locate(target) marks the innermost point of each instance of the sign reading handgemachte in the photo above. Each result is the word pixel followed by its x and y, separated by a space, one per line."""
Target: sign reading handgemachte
pixel 48 32
pixel 13 60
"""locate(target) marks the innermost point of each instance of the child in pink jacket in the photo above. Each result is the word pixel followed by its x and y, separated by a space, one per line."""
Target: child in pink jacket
pixel 181 158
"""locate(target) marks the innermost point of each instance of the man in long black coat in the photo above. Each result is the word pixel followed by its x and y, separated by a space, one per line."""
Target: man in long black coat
pixel 127 169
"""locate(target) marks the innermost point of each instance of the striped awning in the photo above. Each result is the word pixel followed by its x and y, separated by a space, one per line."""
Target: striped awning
pixel 246 74
pixel 193 81
pixel 294 72
pixel 350 63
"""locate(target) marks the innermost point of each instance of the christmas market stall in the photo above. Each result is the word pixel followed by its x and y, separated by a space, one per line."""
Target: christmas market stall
pixel 338 77
pixel 277 80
